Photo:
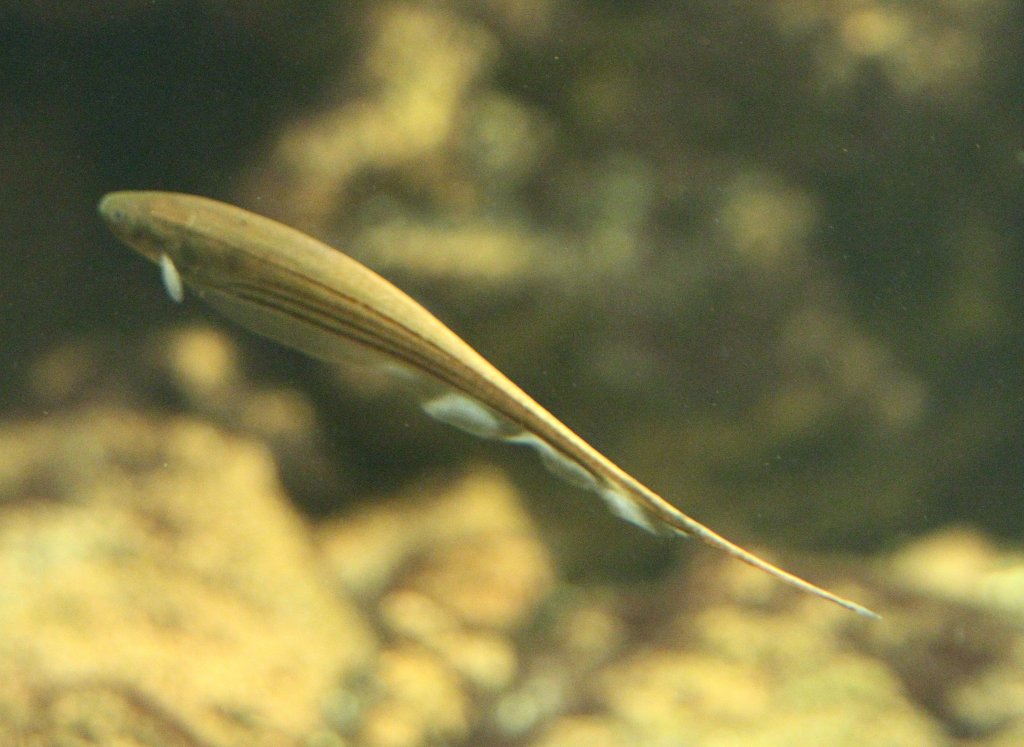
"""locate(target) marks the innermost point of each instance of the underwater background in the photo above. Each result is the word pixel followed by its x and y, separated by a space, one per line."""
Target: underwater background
pixel 765 256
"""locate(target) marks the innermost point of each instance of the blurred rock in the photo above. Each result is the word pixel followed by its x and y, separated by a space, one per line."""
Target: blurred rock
pixel 157 588
pixel 453 573
pixel 418 62
pixel 153 573
pixel 473 535
pixel 961 565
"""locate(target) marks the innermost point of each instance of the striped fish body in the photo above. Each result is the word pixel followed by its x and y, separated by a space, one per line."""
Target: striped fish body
pixel 285 285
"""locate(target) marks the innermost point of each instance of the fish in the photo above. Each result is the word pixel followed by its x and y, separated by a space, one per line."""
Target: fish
pixel 291 288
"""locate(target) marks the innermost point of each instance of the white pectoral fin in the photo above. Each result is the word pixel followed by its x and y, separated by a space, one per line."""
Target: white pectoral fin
pixel 172 279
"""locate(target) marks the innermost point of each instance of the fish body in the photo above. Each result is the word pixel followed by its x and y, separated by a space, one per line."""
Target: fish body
pixel 302 293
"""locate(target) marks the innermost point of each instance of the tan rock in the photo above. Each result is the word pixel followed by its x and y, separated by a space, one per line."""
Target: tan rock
pixel 962 565
pixel 421 701
pixel 153 573
pixel 470 548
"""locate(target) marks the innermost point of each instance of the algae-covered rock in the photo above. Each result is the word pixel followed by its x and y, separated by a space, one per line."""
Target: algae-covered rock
pixel 960 564
pixel 453 574
pixel 154 581
pixel 157 590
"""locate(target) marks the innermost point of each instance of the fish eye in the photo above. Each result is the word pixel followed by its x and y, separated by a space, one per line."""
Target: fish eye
pixel 116 214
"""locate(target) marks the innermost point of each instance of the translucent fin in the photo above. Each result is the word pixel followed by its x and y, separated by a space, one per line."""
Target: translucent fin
pixel 574 473
pixel 558 464
pixel 469 415
pixel 627 508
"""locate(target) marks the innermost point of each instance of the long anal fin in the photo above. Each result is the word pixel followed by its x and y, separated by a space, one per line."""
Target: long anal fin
pixel 627 499
pixel 557 463
pixel 468 415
